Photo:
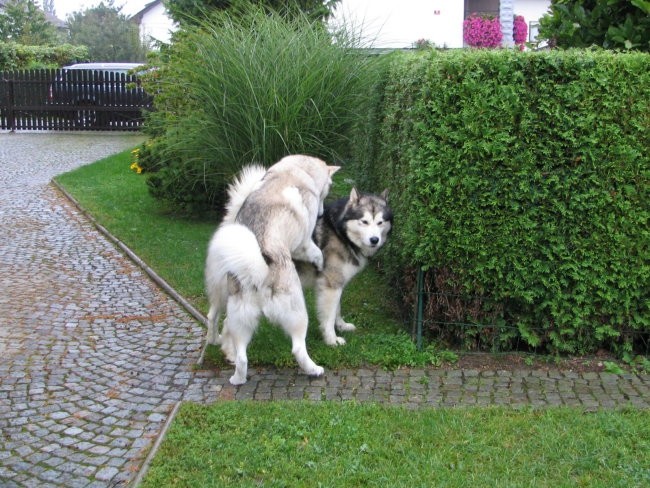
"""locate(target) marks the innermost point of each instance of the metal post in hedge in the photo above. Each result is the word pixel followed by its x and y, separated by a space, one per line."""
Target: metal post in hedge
pixel 419 317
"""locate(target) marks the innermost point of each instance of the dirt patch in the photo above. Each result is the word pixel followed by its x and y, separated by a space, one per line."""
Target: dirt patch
pixel 516 361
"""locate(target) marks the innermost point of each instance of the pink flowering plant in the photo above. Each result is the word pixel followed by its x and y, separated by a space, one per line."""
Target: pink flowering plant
pixel 519 30
pixel 480 31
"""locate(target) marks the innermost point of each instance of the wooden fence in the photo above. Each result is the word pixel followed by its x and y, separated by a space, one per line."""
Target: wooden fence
pixel 71 100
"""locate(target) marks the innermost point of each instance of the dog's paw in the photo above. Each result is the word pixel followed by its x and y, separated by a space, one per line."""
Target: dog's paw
pixel 316 371
pixel 337 341
pixel 317 261
pixel 346 326
pixel 228 353
pixel 236 380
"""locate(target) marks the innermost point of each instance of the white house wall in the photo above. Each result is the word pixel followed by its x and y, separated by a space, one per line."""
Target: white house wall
pixel 156 24
pixel 532 10
pixel 400 23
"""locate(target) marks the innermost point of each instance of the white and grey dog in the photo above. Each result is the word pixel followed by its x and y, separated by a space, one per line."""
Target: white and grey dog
pixel 249 270
pixel 350 231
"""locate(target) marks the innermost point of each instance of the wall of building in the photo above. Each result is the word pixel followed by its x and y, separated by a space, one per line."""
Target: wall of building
pixel 399 24
pixel 532 10
pixel 156 24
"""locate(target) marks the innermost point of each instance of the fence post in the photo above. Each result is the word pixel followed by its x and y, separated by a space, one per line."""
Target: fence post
pixel 419 318
pixel 12 102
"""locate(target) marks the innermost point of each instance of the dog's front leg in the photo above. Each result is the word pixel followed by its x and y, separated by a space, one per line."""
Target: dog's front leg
pixel 341 324
pixel 328 304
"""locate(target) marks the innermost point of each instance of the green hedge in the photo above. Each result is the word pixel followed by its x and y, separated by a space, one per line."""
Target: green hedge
pixel 18 56
pixel 521 182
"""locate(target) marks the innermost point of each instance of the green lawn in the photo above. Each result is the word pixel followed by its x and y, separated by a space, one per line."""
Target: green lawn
pixel 348 445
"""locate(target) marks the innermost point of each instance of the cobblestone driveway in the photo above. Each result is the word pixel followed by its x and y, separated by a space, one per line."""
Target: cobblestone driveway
pixel 93 356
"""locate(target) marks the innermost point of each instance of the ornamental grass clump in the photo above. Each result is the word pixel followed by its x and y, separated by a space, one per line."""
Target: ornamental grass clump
pixel 251 87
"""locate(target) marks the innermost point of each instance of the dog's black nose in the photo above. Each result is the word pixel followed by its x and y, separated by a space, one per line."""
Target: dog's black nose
pixel 374 240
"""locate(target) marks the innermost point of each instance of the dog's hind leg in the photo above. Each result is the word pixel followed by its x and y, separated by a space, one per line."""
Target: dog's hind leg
pixel 217 291
pixel 241 324
pixel 212 336
pixel 227 346
pixel 289 311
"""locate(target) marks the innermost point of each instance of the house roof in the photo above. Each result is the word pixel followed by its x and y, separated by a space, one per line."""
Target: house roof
pixel 138 16
pixel 52 19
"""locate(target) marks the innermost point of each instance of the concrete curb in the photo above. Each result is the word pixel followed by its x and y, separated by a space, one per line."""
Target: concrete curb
pixel 154 449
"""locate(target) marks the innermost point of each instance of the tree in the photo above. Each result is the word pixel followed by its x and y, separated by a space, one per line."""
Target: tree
pixel 48 7
pixel 612 24
pixel 24 23
pixel 109 34
pixel 191 11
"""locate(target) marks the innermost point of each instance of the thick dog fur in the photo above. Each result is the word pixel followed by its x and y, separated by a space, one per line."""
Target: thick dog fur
pixel 249 271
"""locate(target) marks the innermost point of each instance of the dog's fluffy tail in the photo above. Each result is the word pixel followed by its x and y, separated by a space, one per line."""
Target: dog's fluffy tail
pixel 248 180
pixel 235 250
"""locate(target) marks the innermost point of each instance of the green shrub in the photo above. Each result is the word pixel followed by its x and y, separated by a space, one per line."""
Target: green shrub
pixel 611 24
pixel 250 88
pixel 15 56
pixel 521 182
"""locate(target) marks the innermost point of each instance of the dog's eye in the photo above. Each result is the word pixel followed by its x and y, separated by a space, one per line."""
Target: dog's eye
pixel 380 223
pixel 365 222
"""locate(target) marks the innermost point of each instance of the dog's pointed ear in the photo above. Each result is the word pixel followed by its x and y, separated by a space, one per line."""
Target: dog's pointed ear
pixel 384 194
pixel 333 169
pixel 354 195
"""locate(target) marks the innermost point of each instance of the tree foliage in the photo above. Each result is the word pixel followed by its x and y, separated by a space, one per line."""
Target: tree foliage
pixel 193 11
pixel 109 34
pixel 23 22
pixel 611 24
